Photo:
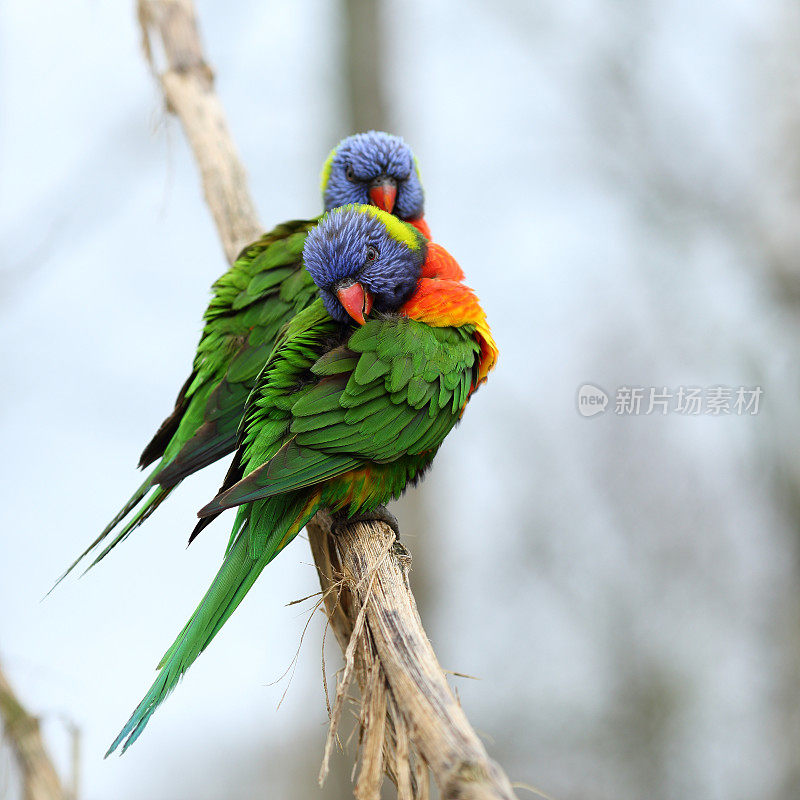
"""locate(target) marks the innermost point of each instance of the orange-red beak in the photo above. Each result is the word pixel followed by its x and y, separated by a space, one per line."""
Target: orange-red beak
pixel 383 194
pixel 356 300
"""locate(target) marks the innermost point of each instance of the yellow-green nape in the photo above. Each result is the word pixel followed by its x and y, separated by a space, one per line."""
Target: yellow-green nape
pixel 398 230
pixel 325 175
pixel 416 168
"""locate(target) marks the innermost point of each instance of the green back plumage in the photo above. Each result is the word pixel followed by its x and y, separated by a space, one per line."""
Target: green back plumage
pixel 252 301
pixel 260 293
pixel 395 388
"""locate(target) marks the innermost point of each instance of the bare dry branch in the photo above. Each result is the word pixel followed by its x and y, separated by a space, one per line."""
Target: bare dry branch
pixel 341 692
pixel 432 724
pixel 373 723
pixel 39 778
pixel 170 26
pixel 406 702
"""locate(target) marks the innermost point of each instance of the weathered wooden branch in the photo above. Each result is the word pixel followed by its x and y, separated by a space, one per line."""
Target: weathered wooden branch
pixel 40 780
pixel 374 569
pixel 188 86
pixel 410 719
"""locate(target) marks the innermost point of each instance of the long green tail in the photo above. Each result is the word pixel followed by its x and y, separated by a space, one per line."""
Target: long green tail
pixel 283 518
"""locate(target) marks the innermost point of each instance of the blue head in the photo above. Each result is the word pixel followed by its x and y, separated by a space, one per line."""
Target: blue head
pixel 363 258
pixel 373 168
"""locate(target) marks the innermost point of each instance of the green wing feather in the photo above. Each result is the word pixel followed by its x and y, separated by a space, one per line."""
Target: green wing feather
pixel 393 391
pixel 261 292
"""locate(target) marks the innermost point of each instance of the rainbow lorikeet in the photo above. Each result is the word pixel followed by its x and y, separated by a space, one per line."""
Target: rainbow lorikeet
pixel 252 301
pixel 352 405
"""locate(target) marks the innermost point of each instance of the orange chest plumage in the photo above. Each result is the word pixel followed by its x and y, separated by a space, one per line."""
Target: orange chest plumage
pixel 442 299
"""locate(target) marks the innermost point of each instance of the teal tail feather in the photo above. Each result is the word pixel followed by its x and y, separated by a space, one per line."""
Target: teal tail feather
pixel 241 567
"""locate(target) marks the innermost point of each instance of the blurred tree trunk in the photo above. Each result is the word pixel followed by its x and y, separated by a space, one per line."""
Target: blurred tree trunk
pixel 779 234
pixel 365 54
pixel 39 778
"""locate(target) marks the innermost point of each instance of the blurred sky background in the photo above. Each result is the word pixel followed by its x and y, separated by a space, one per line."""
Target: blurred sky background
pixel 620 180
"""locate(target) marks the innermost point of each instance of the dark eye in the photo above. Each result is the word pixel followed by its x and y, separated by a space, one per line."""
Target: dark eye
pixel 372 255
pixel 349 173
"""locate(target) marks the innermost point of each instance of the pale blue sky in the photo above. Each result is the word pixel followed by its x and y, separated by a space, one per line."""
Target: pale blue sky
pixel 595 167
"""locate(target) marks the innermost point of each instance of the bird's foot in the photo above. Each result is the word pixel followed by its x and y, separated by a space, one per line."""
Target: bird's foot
pixel 380 514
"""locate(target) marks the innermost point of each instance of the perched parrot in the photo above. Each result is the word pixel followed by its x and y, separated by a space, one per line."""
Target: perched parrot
pixel 352 405
pixel 251 302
